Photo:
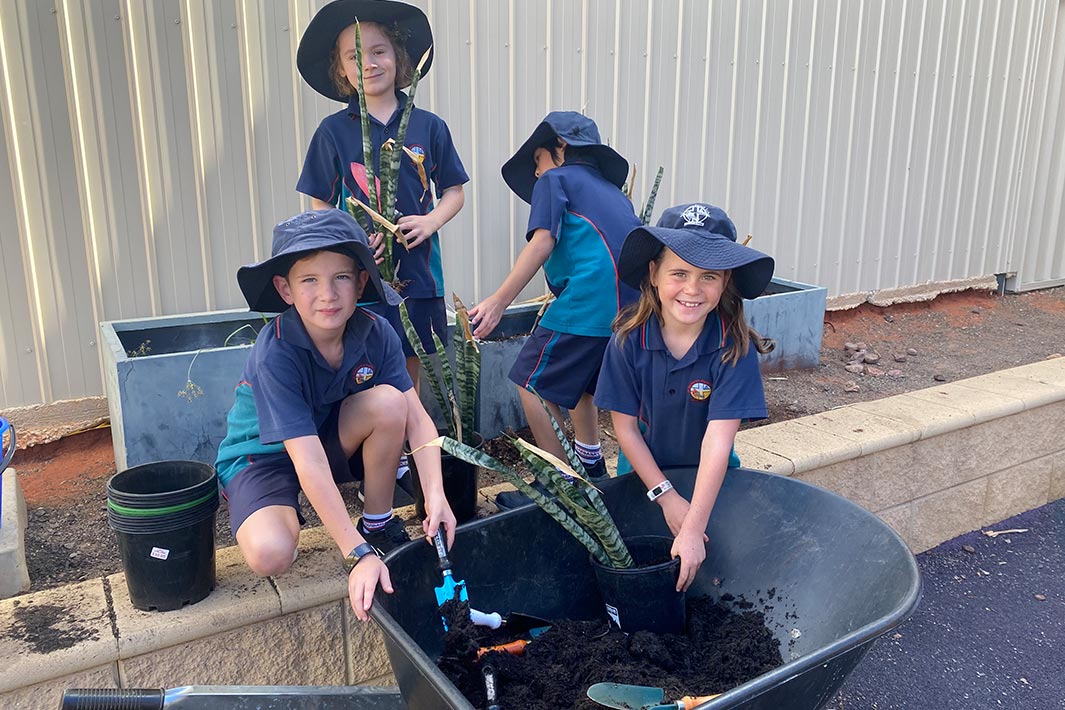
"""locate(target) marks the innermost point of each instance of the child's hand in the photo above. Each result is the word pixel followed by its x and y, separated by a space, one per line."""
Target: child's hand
pixel 690 547
pixel 368 572
pixel 437 513
pixel 485 317
pixel 416 228
pixel 377 246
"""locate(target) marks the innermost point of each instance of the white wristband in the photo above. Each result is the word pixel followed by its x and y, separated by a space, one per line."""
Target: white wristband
pixel 659 489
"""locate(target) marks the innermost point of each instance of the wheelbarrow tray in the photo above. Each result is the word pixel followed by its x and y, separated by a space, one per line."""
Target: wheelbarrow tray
pixel 843 577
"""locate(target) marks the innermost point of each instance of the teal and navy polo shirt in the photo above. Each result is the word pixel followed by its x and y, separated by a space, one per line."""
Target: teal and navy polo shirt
pixel 334 168
pixel 589 219
pixel 674 399
pixel 288 389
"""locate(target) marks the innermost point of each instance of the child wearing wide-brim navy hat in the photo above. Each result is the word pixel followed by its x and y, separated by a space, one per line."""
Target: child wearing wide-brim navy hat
pixel 703 236
pixel 681 372
pixel 314 58
pixel 300 236
pixel 576 130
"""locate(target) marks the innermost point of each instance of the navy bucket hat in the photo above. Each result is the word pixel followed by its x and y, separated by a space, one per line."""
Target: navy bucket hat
pixel 313 58
pixel 576 130
pixel 703 236
pixel 328 230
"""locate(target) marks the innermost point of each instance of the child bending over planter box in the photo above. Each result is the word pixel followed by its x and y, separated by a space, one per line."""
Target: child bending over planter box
pixel 578 220
pixel 325 397
pixel 681 371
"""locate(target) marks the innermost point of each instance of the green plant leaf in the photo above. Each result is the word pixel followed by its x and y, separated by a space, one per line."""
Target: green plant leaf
pixel 563 517
pixel 427 361
pixel 645 216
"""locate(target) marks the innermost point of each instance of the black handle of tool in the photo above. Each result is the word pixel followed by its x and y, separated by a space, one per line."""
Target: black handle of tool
pixel 489 673
pixel 441 549
pixel 115 699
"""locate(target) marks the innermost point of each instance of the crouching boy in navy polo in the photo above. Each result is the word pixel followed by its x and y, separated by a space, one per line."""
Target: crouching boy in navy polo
pixel 578 221
pixel 324 398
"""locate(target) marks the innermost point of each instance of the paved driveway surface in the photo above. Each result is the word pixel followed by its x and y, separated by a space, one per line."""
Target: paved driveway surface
pixel 989 632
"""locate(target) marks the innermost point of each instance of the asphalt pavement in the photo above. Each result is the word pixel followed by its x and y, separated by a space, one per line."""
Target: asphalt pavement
pixel 989 632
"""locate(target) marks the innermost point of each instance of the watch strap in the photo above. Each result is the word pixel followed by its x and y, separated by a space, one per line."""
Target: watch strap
pixel 357 553
pixel 658 490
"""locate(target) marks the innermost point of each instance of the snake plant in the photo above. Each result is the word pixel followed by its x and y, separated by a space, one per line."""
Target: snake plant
pixel 574 502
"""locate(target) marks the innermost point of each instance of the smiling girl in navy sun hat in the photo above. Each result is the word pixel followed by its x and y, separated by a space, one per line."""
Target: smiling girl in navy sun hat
pixel 681 371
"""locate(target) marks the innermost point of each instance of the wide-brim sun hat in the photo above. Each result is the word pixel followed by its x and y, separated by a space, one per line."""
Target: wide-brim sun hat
pixel 313 58
pixel 703 236
pixel 318 230
pixel 576 130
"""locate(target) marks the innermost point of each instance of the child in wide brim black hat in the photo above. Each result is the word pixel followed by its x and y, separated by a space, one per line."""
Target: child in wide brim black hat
pixel 394 36
pixel 578 219
pixel 682 370
pixel 324 398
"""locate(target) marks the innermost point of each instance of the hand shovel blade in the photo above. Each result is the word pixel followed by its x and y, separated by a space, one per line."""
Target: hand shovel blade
pixel 625 697
pixel 450 588
pixel 640 697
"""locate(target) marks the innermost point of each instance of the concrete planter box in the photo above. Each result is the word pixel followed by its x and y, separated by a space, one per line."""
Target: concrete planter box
pixel 793 314
pixel 499 407
pixel 146 366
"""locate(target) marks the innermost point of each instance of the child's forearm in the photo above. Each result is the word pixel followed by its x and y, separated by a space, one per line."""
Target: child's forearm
pixel 421 429
pixel 317 204
pixel 530 260
pixel 316 480
pixel 713 461
pixel 635 449
pixel 449 205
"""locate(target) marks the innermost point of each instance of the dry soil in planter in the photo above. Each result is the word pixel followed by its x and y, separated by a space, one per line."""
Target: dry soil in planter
pixel 723 647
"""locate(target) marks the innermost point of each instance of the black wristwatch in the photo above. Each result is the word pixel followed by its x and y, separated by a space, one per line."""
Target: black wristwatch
pixel 358 553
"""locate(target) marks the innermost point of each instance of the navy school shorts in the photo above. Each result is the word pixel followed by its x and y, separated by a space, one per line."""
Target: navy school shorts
pixel 272 480
pixel 561 367
pixel 426 314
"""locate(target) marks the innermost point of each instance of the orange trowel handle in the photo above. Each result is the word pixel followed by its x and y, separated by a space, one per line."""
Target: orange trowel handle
pixel 514 648
pixel 688 701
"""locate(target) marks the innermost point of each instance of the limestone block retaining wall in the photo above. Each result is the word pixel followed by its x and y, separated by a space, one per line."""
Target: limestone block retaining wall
pixel 933 463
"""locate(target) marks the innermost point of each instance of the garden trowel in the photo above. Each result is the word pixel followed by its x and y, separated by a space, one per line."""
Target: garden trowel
pixel 640 697
pixel 451 588
pixel 514 623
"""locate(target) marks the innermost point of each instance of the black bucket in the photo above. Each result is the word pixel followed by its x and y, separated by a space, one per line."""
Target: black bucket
pixel 460 485
pixel 163 515
pixel 644 597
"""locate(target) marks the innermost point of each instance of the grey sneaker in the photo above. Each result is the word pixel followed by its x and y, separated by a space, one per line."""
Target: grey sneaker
pixel 388 538
pixel 509 500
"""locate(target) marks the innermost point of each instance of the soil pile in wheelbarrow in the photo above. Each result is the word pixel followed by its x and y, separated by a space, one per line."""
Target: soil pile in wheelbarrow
pixel 723 647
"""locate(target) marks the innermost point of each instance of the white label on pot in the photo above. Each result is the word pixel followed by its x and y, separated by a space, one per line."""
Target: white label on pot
pixel 159 553
pixel 613 612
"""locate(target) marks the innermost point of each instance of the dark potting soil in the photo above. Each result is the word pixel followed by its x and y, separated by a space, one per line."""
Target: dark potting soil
pixel 723 648
pixel 44 628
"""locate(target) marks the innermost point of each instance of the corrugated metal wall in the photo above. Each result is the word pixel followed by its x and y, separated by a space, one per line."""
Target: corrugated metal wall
pixel 149 147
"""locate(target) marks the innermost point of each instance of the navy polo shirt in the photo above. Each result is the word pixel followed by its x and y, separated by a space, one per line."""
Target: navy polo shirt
pixel 288 389
pixel 674 399
pixel 589 218
pixel 334 168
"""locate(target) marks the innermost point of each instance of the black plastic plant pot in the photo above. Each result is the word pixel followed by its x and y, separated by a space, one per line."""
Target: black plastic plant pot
pixel 644 597
pixel 840 577
pixel 460 484
pixel 163 515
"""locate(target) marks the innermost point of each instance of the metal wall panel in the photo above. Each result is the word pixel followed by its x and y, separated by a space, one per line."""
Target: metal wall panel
pixel 150 147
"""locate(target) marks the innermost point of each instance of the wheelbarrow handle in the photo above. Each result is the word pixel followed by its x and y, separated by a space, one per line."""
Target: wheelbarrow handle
pixel 6 454
pixel 514 648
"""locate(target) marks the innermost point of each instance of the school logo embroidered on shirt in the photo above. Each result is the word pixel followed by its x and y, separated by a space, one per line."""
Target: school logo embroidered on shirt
pixel 695 215
pixel 363 374
pixel 699 390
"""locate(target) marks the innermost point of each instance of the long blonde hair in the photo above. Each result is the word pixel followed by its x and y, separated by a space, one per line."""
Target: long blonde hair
pixel 730 308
